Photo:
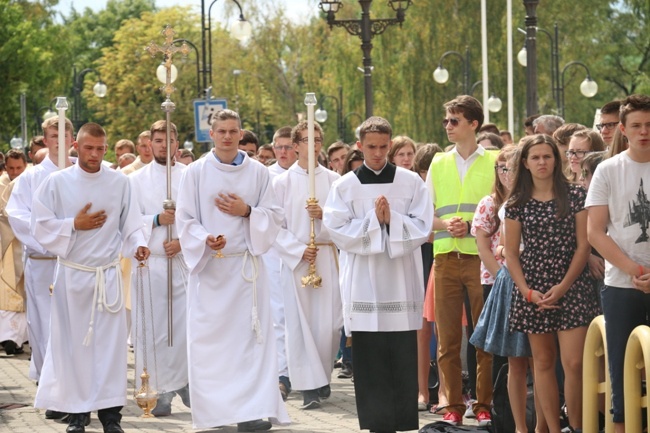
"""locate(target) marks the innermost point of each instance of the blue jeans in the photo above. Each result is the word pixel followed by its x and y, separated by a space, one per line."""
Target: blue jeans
pixel 624 310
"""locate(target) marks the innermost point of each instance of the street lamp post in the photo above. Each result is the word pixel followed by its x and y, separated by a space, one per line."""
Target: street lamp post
pixel 345 123
pixel 531 56
pixel 99 89
pixel 588 87
pixel 321 114
pixel 441 76
pixel 198 70
pixel 366 28
pixel 240 29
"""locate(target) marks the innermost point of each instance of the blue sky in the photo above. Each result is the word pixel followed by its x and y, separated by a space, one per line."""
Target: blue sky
pixel 296 9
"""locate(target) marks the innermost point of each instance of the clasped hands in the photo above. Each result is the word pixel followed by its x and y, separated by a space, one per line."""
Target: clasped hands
pixel 456 227
pixel 382 209
pixel 548 300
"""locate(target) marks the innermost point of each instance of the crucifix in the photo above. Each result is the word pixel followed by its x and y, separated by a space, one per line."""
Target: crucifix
pixel 168 49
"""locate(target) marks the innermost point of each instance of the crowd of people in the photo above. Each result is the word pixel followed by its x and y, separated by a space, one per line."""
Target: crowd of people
pixel 361 260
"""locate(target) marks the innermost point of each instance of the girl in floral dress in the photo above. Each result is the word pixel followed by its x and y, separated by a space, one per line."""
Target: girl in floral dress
pixel 492 334
pixel 554 298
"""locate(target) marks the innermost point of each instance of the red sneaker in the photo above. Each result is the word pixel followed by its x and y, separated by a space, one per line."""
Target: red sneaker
pixel 484 418
pixel 453 418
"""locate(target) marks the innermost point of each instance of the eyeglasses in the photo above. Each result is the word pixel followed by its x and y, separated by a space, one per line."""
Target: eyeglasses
pixel 609 126
pixel 577 153
pixel 305 140
pixel 454 122
pixel 585 173
pixel 501 169
pixel 281 148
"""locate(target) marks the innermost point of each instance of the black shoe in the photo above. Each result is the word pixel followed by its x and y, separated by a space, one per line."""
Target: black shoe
pixel 163 404
pixel 53 414
pixel 184 394
pixel 251 426
pixel 310 400
pixel 113 427
pixel 346 372
pixel 66 418
pixel 77 422
pixel 11 348
pixel 324 392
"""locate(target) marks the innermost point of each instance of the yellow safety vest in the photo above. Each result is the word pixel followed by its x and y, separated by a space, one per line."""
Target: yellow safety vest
pixel 456 199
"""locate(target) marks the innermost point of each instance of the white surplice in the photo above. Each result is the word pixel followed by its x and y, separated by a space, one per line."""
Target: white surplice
pixel 381 267
pixel 149 184
pixel 273 266
pixel 313 316
pixel 85 363
pixel 40 264
pixel 232 358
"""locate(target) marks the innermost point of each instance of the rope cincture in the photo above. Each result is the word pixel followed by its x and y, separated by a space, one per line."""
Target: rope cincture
pixel 255 321
pixel 99 293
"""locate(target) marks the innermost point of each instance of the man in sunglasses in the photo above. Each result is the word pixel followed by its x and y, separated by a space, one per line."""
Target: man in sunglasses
pixel 458 180
pixel 609 120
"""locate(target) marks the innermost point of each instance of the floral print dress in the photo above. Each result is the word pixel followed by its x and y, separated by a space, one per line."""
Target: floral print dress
pixel 549 245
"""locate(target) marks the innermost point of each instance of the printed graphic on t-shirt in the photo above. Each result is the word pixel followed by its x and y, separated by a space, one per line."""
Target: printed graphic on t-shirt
pixel 639 213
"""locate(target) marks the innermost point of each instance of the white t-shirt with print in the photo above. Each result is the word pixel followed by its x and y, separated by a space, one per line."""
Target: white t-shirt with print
pixel 624 186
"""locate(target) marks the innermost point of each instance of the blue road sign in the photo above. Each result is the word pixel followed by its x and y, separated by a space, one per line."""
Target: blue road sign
pixel 204 109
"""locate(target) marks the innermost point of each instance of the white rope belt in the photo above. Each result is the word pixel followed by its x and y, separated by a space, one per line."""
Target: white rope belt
pixel 255 321
pixel 99 294
pixel 165 256
pixel 335 251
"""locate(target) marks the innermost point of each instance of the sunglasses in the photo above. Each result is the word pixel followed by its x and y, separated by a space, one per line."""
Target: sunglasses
pixel 454 122
pixel 608 126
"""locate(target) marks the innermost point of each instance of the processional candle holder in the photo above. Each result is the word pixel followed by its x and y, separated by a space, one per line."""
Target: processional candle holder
pixel 311 279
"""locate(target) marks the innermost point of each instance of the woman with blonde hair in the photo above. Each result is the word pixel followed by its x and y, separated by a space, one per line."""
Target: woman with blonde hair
pixel 402 152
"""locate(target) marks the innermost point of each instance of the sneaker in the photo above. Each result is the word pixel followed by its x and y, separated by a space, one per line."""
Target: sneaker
pixel 311 400
pixel 453 418
pixel 484 418
pixel 469 412
pixel 345 373
pixel 324 392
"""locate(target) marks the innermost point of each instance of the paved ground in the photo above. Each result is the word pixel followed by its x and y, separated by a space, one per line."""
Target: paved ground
pixel 337 415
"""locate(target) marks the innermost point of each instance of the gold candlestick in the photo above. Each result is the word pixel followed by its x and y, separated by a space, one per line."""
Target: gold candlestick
pixel 311 279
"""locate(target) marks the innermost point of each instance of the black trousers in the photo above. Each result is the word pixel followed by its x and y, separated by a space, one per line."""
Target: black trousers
pixel 385 380
pixel 107 415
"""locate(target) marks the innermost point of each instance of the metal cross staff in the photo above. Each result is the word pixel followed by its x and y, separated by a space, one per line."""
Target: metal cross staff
pixel 168 49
